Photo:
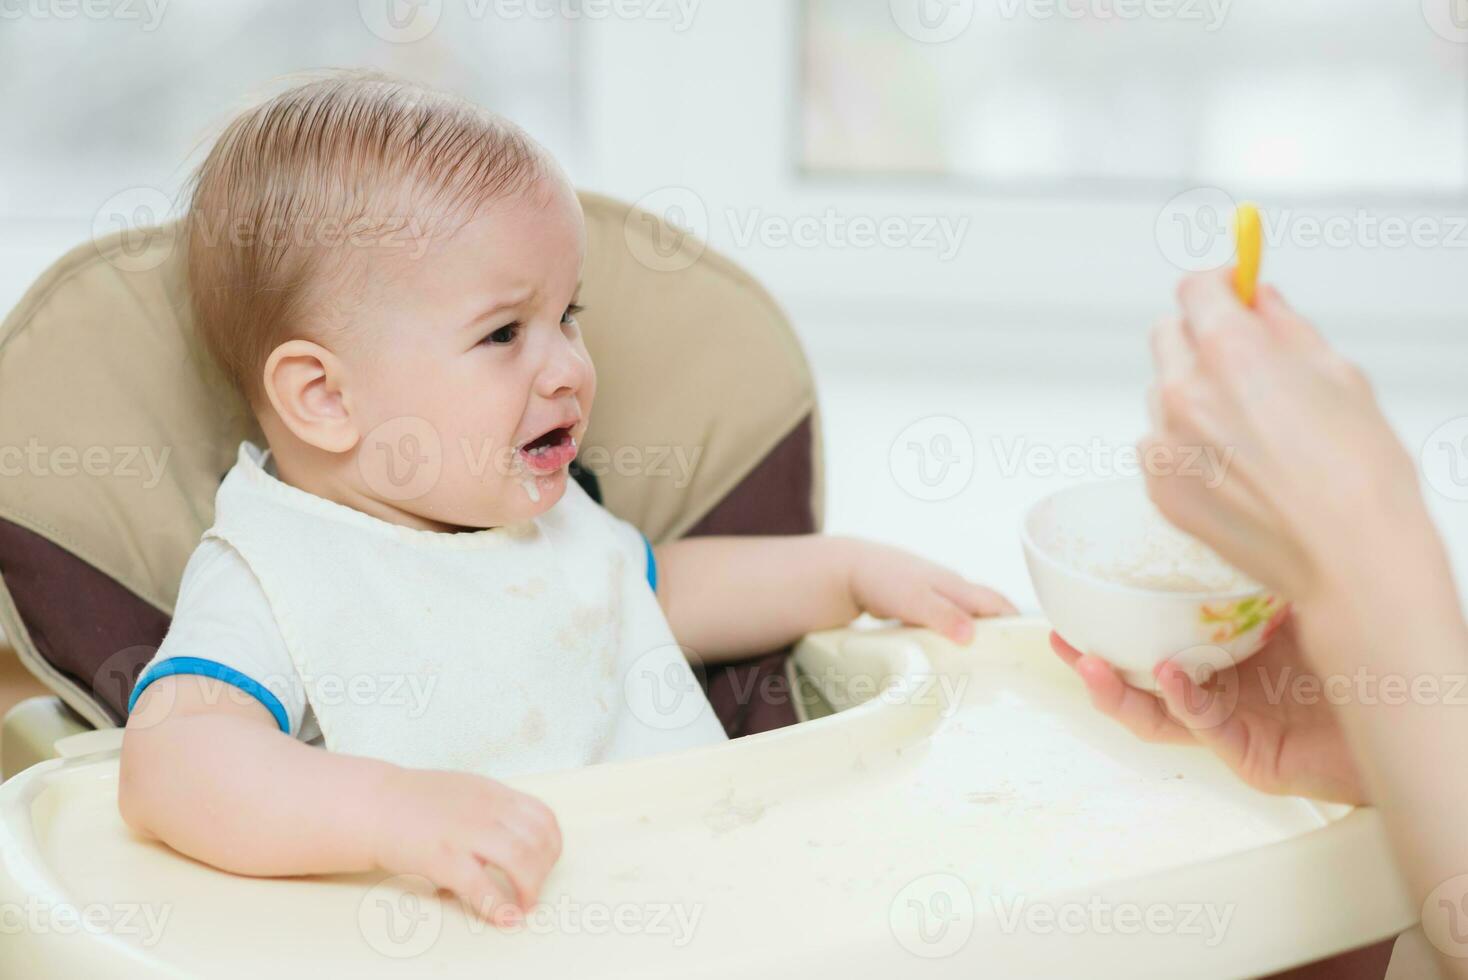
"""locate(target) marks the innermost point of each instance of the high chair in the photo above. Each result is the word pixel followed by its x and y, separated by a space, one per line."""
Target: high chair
pixel 930 795
pixel 705 423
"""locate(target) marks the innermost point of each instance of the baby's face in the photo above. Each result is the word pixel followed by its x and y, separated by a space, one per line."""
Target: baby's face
pixel 472 386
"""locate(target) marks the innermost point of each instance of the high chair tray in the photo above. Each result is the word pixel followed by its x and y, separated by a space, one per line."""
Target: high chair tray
pixel 967 814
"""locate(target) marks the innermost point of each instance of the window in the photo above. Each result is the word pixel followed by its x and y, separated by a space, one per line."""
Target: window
pixel 123 98
pixel 1311 98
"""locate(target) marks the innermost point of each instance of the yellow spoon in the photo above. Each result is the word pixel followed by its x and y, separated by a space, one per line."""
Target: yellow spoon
pixel 1249 242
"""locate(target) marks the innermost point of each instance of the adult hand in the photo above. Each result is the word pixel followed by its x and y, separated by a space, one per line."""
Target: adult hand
pixel 1266 718
pixel 1306 453
pixel 1317 498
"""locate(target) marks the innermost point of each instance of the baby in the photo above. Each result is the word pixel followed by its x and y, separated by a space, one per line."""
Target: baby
pixel 409 577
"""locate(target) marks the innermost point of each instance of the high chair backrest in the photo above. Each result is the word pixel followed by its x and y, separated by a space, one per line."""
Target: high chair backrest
pixel 115 430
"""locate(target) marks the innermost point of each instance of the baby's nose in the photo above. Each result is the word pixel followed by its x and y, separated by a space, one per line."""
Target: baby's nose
pixel 567 368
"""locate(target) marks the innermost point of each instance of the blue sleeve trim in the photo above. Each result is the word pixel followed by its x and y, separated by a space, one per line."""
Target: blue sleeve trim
pixel 214 670
pixel 652 565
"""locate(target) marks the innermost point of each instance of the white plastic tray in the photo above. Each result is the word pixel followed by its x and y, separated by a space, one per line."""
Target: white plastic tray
pixel 1007 831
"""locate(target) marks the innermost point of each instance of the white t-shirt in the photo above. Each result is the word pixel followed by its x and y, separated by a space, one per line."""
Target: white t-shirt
pixel 222 616
pixel 225 626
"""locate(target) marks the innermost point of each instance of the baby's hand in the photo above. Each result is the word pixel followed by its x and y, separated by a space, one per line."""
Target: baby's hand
pixel 490 845
pixel 891 583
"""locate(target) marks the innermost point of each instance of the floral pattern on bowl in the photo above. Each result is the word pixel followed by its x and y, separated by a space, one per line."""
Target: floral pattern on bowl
pixel 1232 620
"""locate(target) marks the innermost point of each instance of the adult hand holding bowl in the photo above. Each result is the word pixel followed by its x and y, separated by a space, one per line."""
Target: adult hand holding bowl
pixel 1117 581
pixel 1249 717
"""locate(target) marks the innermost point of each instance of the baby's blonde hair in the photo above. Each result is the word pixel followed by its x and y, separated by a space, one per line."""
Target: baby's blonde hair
pixel 296 184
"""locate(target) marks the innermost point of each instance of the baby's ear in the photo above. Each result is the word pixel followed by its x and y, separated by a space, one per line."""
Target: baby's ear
pixel 305 383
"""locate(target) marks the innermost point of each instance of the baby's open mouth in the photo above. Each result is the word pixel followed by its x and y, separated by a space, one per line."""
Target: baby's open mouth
pixel 549 452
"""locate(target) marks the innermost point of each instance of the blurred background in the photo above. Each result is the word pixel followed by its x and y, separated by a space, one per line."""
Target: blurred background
pixel 972 211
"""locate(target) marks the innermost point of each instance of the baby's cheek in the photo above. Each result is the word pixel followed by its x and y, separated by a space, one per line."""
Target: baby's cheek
pixel 480 499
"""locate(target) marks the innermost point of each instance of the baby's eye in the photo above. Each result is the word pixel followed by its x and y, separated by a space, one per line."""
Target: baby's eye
pixel 570 315
pixel 504 335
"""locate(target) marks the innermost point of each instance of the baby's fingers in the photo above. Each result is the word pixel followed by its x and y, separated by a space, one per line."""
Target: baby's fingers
pixel 480 888
pixel 975 599
pixel 535 822
pixel 525 843
pixel 524 863
pixel 941 614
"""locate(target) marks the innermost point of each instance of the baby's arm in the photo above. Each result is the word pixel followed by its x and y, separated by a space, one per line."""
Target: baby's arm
pixel 214 777
pixel 727 597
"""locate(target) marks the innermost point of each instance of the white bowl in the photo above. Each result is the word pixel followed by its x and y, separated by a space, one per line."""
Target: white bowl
pixel 1116 580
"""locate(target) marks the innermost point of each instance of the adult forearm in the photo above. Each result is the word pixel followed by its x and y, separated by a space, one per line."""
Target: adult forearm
pixel 1390 630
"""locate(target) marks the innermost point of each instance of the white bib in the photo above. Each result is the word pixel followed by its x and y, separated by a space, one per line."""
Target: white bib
pixel 526 648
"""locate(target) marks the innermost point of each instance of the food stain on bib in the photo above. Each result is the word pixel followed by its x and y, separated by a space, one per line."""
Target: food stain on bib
pixel 586 622
pixel 529 590
pixel 532 729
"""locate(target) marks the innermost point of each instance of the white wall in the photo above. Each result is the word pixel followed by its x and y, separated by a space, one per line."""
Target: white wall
pixel 1034 333
pixel 711 110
